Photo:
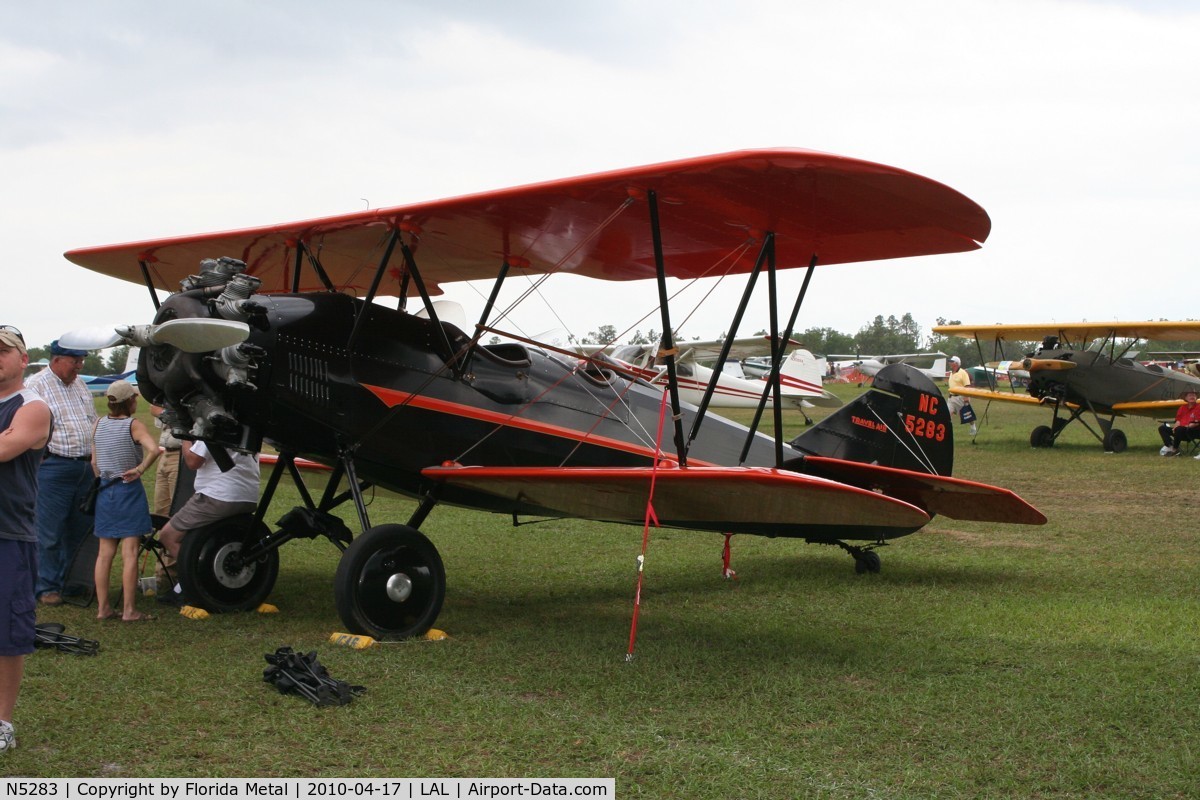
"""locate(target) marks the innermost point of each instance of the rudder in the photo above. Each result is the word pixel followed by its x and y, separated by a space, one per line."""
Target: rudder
pixel 902 421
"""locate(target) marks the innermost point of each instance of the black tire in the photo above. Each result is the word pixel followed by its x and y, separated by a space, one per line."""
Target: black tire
pixel 1042 436
pixel 1115 441
pixel 390 583
pixel 867 561
pixel 212 574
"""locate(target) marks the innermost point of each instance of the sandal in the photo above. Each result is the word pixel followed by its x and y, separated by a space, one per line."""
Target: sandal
pixel 106 617
pixel 140 618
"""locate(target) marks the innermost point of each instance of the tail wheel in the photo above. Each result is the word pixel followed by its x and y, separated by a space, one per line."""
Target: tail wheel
pixel 1115 442
pixel 1042 436
pixel 867 561
pixel 212 572
pixel 390 583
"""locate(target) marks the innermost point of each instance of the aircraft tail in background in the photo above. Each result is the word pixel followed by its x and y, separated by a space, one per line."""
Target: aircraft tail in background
pixel 802 374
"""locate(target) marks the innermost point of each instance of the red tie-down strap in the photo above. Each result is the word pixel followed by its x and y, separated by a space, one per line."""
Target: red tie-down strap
pixel 726 572
pixel 650 519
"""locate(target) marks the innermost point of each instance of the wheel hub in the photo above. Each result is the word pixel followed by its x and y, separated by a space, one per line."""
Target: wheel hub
pixel 399 587
pixel 230 571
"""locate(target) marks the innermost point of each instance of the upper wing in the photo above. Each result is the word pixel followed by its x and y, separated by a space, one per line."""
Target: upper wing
pixel 911 358
pixel 835 208
pixel 742 347
pixel 1078 331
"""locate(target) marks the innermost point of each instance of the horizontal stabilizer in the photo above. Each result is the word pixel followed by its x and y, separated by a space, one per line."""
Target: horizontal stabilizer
pixel 724 499
pixel 950 497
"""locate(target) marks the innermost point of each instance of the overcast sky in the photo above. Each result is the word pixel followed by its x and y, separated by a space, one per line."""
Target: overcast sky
pixel 1074 123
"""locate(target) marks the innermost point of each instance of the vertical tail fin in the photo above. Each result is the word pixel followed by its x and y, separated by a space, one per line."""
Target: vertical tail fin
pixel 131 359
pixel 801 374
pixel 902 421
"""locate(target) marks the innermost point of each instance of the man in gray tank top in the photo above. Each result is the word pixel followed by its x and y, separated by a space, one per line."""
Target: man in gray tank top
pixel 24 431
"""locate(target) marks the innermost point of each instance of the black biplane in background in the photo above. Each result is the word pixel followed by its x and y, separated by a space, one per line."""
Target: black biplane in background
pixel 1085 368
pixel 414 404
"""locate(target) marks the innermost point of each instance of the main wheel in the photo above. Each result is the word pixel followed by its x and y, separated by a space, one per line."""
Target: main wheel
pixel 1115 441
pixel 1042 436
pixel 212 571
pixel 390 583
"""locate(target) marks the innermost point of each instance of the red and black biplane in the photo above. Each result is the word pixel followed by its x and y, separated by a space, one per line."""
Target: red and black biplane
pixel 281 336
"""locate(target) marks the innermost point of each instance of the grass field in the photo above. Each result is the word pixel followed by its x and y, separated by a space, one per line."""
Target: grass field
pixel 983 661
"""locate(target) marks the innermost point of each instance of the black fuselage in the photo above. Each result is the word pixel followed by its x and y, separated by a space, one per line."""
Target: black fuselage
pixel 1099 382
pixel 402 397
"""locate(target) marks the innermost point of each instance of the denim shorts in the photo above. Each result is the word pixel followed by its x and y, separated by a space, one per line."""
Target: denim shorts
pixel 18 608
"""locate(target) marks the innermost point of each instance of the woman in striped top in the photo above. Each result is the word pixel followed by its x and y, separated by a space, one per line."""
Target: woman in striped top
pixel 122 449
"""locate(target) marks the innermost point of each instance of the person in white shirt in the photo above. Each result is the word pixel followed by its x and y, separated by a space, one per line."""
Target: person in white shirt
pixel 65 475
pixel 218 495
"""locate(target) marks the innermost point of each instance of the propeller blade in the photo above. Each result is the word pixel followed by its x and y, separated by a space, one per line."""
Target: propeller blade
pixel 199 335
pixel 97 338
pixel 189 335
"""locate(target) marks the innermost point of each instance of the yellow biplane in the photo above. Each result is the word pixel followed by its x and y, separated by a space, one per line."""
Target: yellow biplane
pixel 1085 367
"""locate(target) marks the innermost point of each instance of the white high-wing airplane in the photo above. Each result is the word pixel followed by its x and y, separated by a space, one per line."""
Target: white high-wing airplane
pixel 870 365
pixel 799 376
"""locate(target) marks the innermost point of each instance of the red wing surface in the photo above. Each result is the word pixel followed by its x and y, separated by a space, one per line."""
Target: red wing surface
pixel 726 499
pixel 597 226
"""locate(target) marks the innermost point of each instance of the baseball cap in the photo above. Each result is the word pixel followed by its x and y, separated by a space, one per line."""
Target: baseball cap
pixel 120 391
pixel 57 349
pixel 12 337
pixel 956 359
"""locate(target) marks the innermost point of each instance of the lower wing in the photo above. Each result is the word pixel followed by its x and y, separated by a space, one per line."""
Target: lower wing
pixel 723 499
pixel 988 394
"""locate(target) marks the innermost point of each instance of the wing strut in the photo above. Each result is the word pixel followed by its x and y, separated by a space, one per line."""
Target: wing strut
pixel 777 349
pixel 667 347
pixel 481 326
pixel 149 282
pixel 297 266
pixel 776 364
pixel 315 263
pixel 383 262
pixel 727 345
pixel 410 264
